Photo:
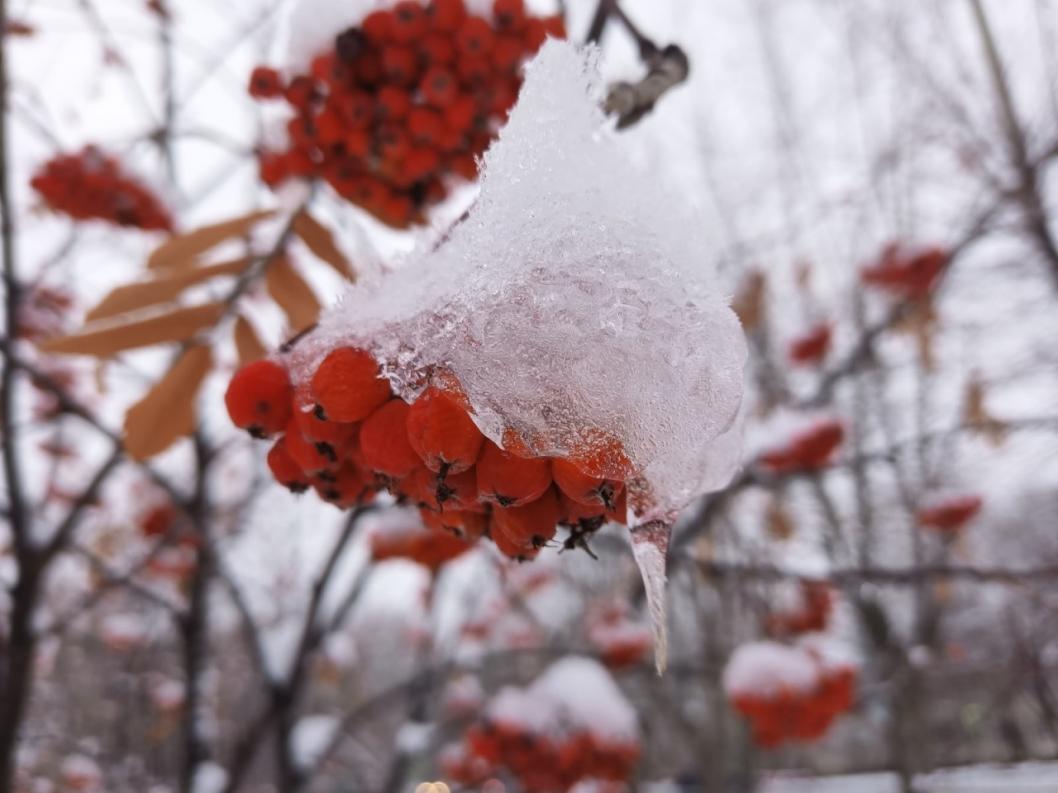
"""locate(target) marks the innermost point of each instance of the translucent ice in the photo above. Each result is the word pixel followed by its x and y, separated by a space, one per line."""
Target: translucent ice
pixel 576 301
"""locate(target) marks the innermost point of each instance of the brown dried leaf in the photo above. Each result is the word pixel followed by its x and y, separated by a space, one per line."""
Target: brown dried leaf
pixel 749 302
pixel 178 325
pixel 247 342
pixel 778 522
pixel 293 295
pixel 975 413
pixel 168 286
pixel 920 322
pixel 183 250
pixel 320 241
pixel 167 412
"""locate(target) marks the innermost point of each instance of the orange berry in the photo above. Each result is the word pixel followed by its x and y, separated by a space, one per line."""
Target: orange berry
pixel 393 103
pixel 508 480
pixel 284 468
pixel 475 36
pixel 409 21
pixel 530 526
pixel 442 433
pixel 384 440
pixel 510 14
pixel 347 386
pixel 398 64
pixel 447 15
pixel 329 437
pixel 258 398
pixel 466 524
pixel 598 453
pixel 425 126
pixel 306 454
pixel 583 488
pixel 378 26
pixel 437 49
pixel 344 488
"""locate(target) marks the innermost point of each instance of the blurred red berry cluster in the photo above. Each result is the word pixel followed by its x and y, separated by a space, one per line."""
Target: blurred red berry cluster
pixel 949 514
pixel 406 99
pixel 904 273
pixel 91 185
pixel 811 611
pixel 346 435
pixel 809 449
pixel 782 713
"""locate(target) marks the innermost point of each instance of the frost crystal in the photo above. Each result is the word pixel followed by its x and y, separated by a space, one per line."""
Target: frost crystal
pixel 576 300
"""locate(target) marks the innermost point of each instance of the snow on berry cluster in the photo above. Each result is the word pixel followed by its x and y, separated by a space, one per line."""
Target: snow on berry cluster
pixel 403 101
pixel 790 692
pixel 91 185
pixel 346 435
pixel 570 725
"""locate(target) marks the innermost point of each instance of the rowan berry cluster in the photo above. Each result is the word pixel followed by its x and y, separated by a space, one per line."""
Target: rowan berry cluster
pixel 812 347
pixel 949 514
pixel 346 435
pixel 619 640
pixel 429 548
pixel 804 710
pixel 811 612
pixel 906 274
pixel 409 97
pixel 541 763
pixel 809 449
pixel 90 185
pixel 571 725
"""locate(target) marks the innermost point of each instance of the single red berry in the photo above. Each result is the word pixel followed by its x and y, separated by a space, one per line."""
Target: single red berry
pixel 475 37
pixel 394 103
pixel 284 468
pixel 509 14
pixel 346 487
pixel 378 26
pixel 442 433
pixel 306 454
pixel 409 22
pixel 508 480
pixel 259 398
pixel 584 488
pixel 265 83
pixel 384 440
pixel 447 15
pixel 347 386
pixel 439 88
pixel 438 49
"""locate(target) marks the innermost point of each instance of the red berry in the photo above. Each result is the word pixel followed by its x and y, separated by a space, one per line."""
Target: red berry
pixel 508 480
pixel 258 398
pixel 442 433
pixel 347 386
pixel 284 468
pixel 582 488
pixel 475 37
pixel 384 440
pixel 265 83
pixel 528 527
pixel 447 15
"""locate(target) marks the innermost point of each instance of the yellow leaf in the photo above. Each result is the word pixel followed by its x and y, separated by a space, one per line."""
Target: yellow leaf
pixel 168 286
pixel 247 342
pixel 183 250
pixel 320 241
pixel 178 325
pixel 167 413
pixel 293 295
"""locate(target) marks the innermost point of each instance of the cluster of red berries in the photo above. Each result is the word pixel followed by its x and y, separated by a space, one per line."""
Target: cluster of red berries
pixel 427 547
pixel 412 95
pixel 90 185
pixel 812 347
pixel 541 763
pixel 787 714
pixel 906 274
pixel 949 514
pixel 620 641
pixel 345 434
pixel 809 449
pixel 811 612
